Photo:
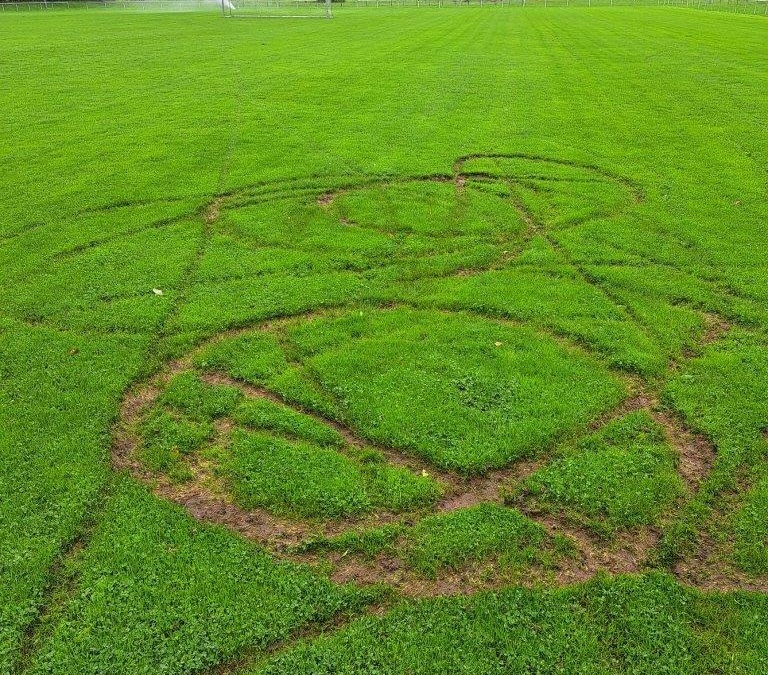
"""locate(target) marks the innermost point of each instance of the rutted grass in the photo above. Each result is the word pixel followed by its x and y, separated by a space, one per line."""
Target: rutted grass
pixel 552 298
pixel 267 415
pixel 305 480
pixel 465 393
pixel 643 624
pixel 461 391
pixel 485 535
pixel 722 394
pixel 450 541
pixel 620 477
pixel 128 132
pixel 272 457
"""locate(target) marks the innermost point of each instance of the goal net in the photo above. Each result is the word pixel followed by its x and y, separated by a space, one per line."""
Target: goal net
pixel 297 9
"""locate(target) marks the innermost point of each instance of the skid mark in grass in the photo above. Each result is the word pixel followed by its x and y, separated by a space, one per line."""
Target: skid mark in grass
pixel 696 453
pixel 326 199
pixel 715 328
pixel 250 656
pixel 326 191
pixel 212 211
pixel 208 500
pixel 207 494
pixel 60 588
pixel 635 189
pixel 710 565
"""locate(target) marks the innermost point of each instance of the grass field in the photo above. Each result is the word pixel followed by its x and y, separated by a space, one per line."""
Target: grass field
pixel 415 341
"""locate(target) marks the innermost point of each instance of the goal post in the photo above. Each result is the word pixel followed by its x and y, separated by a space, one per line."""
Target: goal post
pixel 286 9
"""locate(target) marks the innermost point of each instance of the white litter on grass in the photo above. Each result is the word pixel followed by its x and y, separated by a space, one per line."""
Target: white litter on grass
pixel 157 291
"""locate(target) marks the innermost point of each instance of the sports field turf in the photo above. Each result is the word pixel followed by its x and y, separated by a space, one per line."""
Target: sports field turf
pixel 416 341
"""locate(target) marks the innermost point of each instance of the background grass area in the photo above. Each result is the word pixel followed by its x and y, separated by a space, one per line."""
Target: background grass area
pixel 123 128
pixel 643 624
pixel 157 592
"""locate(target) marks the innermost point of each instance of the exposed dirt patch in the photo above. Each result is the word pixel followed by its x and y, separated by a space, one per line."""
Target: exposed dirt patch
pixel 709 568
pixel 258 525
pixel 715 328
pixel 213 211
pixel 326 199
pixel 465 492
pixel 475 576
pixel 695 451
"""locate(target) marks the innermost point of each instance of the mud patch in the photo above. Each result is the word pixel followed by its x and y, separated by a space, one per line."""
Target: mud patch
pixel 696 453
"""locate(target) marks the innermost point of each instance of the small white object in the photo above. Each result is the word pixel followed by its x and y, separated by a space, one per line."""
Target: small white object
pixel 157 291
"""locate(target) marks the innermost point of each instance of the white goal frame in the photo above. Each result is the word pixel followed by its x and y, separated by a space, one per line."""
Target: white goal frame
pixel 275 9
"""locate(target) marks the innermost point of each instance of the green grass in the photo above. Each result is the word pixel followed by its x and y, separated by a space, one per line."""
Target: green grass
pixel 309 481
pixel 643 624
pixel 166 438
pixel 750 531
pixel 634 154
pixel 620 477
pixel 267 415
pixel 463 392
pixel 450 541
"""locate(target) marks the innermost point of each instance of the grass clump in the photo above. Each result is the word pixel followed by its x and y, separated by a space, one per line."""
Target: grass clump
pixel 188 393
pixel 305 480
pixel 253 357
pixel 750 531
pixel 167 437
pixel 619 477
pixel 270 416
pixel 396 489
pixel 295 478
pixel 450 541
